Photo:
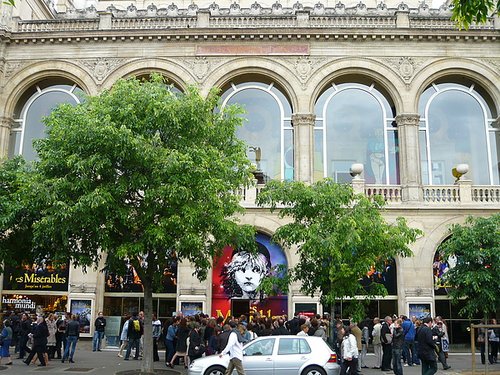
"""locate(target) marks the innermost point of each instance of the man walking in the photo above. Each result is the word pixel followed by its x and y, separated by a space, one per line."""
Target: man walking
pixel 427 348
pixel 235 349
pixel 26 325
pixel 99 325
pixel 72 336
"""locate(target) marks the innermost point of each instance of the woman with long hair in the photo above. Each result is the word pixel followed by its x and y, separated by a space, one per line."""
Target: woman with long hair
pixel 181 346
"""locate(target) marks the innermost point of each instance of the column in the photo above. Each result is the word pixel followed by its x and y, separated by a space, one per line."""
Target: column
pixel 303 127
pixel 5 126
pixel 409 156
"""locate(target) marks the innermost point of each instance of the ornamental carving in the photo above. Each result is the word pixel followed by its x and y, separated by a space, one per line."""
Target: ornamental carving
pixel 304 67
pixel 406 67
pixel 101 66
pixel 492 63
pixel 12 67
pixel 201 65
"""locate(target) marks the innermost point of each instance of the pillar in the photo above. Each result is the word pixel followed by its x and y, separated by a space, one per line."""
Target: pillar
pixel 303 127
pixel 409 156
pixel 5 126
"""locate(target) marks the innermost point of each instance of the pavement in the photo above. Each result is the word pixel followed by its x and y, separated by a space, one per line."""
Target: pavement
pixel 107 362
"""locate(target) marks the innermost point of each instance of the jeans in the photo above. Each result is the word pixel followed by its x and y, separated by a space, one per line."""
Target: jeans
pixel 70 344
pixel 415 360
pixel 396 361
pixel 170 350
pixel 429 367
pixel 133 343
pixel 23 348
pixel 408 351
pixel 96 341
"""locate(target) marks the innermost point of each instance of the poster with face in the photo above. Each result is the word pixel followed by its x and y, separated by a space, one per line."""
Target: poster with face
pixel 237 275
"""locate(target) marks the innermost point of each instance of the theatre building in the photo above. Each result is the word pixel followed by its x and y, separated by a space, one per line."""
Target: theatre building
pixel 392 87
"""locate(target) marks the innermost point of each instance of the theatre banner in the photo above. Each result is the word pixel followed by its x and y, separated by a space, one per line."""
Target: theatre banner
pixel 37 276
pixel 237 276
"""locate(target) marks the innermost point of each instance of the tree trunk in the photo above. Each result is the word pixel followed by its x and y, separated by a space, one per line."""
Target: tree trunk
pixel 147 366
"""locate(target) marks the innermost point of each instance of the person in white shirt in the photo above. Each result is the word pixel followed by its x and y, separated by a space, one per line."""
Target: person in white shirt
pixel 304 328
pixel 377 344
pixel 235 349
pixel 349 353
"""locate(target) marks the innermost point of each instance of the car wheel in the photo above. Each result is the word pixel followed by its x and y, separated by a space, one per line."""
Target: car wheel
pixel 216 370
pixel 313 370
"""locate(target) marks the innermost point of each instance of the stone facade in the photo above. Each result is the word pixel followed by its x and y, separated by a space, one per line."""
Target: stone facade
pixel 302 48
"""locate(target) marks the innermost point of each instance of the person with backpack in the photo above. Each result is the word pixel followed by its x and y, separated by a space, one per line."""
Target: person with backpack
pixel 134 333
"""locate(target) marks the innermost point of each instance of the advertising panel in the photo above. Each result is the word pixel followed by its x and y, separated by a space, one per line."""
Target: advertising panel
pixel 37 276
pixel 237 275
pixel 83 309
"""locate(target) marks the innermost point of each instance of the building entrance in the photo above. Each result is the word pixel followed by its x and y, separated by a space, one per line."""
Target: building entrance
pixel 240 307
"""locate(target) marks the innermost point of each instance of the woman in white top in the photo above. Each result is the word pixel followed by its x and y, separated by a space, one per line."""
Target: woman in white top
pixel 303 330
pixel 349 353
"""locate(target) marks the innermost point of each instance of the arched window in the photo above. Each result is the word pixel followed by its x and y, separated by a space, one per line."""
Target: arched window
pixel 457 126
pixel 355 124
pixel 37 103
pixel 267 127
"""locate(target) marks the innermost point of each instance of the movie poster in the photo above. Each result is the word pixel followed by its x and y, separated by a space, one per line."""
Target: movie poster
pixel 237 275
pixel 129 281
pixel 37 276
pixel 83 309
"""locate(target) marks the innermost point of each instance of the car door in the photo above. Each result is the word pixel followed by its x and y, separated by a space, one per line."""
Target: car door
pixel 258 357
pixel 292 353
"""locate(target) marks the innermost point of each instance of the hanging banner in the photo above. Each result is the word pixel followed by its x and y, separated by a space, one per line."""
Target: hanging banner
pixel 37 276
pixel 236 278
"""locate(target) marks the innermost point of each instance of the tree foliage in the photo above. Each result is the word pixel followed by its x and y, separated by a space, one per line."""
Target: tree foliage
pixel 466 12
pixel 475 246
pixel 339 236
pixel 138 172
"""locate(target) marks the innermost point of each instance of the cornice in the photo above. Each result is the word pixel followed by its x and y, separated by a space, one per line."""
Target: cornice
pixel 239 35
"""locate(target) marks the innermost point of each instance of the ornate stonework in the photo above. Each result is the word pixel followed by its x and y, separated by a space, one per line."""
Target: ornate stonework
pixel 12 67
pixel 405 67
pixel 305 66
pixel 101 67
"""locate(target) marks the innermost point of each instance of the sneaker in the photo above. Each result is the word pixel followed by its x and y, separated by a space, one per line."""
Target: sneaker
pixel 120 355
pixel 405 365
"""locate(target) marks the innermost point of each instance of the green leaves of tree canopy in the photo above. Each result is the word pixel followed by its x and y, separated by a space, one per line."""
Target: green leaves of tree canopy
pixel 465 12
pixel 339 236
pixel 474 279
pixel 136 172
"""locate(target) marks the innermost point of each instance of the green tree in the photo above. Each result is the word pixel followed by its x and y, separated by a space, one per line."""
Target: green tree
pixel 339 237
pixel 475 246
pixel 139 173
pixel 466 12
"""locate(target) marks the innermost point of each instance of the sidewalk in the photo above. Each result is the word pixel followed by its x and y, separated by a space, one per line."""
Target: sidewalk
pixel 108 363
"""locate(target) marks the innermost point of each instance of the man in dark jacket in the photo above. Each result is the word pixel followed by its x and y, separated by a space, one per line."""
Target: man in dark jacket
pixel 135 331
pixel 99 325
pixel 26 325
pixel 223 338
pixel 427 347
pixel 294 324
pixel 72 336
pixel 438 334
pixel 281 329
pixel 386 339
pixel 40 334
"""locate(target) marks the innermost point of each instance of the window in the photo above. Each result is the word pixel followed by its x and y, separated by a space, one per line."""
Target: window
pixel 261 347
pixel 36 104
pixel 293 346
pixel 457 126
pixel 266 128
pixel 355 124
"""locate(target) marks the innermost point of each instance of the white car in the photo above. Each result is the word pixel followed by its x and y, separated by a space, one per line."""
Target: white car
pixel 276 355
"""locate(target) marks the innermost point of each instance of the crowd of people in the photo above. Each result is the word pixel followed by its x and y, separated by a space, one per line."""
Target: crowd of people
pixel 38 337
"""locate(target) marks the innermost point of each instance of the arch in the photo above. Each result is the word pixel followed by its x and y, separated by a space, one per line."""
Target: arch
pixel 257 67
pixel 477 72
pixel 31 74
pixel 167 68
pixel 379 73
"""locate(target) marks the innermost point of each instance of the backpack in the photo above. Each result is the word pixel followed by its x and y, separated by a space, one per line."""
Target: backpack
pixel 137 325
